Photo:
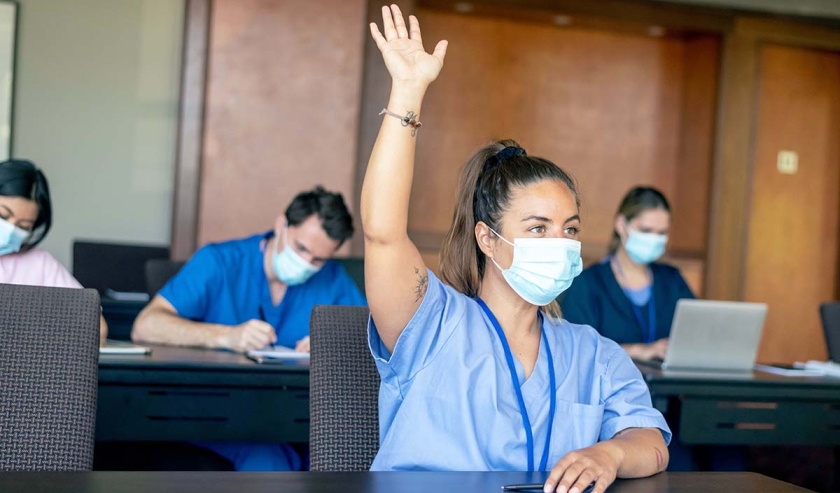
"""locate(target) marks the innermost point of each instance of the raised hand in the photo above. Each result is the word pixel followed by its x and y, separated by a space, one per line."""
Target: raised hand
pixel 403 52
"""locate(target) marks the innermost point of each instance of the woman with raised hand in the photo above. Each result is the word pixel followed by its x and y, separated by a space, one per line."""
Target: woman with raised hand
pixel 479 372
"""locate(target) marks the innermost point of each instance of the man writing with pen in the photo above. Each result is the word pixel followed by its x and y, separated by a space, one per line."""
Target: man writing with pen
pixel 249 293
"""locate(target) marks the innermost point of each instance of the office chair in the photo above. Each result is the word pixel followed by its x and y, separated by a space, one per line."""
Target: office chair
pixel 159 272
pixel 49 354
pixel 115 266
pixel 343 392
pixel 830 315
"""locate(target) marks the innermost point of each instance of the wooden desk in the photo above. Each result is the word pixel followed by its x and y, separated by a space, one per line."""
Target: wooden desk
pixel 183 394
pixel 363 482
pixel 752 409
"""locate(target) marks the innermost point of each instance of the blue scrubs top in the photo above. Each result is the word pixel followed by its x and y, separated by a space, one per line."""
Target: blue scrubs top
pixel 595 298
pixel 447 401
pixel 225 283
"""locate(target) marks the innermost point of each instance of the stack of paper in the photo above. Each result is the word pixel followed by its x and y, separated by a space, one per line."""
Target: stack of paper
pixel 277 352
pixel 827 368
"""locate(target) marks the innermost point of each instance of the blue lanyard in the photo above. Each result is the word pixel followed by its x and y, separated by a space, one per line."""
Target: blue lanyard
pixel 651 328
pixel 650 335
pixel 552 399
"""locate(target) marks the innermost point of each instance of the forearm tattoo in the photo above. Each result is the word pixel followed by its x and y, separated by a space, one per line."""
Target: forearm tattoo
pixel 422 284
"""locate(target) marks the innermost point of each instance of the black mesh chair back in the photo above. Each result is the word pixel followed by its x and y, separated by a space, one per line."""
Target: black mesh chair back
pixel 830 315
pixel 49 353
pixel 343 391
pixel 159 272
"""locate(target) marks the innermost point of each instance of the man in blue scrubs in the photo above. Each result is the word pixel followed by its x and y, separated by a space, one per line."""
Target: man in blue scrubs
pixel 248 293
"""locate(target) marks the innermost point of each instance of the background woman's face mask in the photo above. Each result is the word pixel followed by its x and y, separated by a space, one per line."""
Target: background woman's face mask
pixel 644 248
pixel 542 268
pixel 12 238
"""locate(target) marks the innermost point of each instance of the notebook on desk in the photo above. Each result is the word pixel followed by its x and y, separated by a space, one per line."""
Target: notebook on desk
pixel 123 348
pixel 713 336
pixel 276 354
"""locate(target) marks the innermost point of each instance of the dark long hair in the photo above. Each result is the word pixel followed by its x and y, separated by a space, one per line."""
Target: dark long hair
pixel 483 194
pixel 638 200
pixel 19 178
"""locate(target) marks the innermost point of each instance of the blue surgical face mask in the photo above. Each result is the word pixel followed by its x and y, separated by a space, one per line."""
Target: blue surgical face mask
pixel 542 268
pixel 289 267
pixel 11 237
pixel 644 248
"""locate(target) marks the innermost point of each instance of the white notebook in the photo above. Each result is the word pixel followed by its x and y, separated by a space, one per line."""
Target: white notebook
pixel 277 352
pixel 123 348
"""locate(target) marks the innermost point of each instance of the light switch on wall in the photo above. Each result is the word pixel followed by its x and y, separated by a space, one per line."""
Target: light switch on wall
pixel 787 162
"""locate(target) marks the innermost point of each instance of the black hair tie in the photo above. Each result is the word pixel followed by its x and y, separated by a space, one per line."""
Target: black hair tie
pixel 502 156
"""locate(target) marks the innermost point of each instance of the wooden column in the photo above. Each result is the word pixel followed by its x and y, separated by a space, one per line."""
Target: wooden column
pixel 731 175
pixel 190 129
pixel 376 87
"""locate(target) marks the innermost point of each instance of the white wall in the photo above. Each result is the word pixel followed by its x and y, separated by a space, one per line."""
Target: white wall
pixel 96 107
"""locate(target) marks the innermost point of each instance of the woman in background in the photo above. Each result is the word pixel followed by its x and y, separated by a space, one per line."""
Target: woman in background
pixel 25 219
pixel 629 297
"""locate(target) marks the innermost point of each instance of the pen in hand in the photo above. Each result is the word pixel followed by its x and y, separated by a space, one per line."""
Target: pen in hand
pixel 523 487
pixel 262 317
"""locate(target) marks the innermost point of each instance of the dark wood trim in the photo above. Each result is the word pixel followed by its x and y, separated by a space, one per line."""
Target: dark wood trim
pixel 190 128
pixel 789 33
pixel 676 17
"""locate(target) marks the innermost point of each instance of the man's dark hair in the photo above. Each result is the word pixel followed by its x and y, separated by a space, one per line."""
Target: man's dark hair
pixel 330 208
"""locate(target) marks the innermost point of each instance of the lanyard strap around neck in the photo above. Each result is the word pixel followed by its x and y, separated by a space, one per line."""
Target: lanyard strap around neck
pixel 552 392
pixel 649 331
pixel 650 336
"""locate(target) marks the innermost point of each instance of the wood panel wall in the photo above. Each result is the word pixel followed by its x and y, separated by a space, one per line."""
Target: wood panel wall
pixel 282 109
pixel 615 110
pixel 286 80
pixel 792 254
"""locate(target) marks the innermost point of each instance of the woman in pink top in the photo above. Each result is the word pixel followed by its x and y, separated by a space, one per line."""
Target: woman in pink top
pixel 25 219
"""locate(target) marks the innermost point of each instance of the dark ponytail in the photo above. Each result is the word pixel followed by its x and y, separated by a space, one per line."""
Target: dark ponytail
pixel 637 200
pixel 483 194
pixel 19 178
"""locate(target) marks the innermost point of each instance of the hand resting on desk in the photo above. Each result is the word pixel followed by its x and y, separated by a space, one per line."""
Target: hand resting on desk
pixel 647 352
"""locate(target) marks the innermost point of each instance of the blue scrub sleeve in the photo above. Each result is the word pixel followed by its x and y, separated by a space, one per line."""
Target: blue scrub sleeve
pixel 436 319
pixel 626 399
pixel 348 292
pixel 190 290
pixel 683 291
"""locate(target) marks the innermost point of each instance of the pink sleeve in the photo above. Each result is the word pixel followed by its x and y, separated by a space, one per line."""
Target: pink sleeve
pixel 56 275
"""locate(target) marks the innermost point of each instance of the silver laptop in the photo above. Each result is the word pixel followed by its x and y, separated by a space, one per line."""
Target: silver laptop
pixel 715 335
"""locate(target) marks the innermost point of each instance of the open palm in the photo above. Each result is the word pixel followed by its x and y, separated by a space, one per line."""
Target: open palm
pixel 402 49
